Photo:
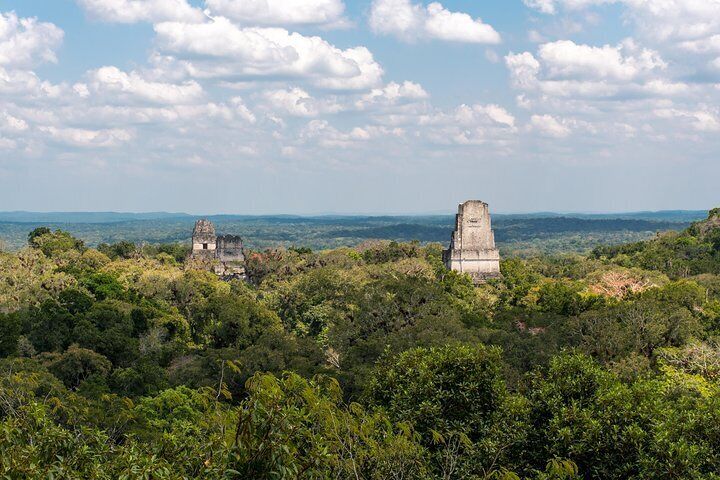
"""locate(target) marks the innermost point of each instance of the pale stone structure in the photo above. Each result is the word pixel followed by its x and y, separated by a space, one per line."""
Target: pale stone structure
pixel 223 253
pixel 204 239
pixel 472 247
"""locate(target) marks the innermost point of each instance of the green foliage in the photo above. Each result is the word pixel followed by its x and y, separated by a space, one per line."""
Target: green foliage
pixel 34 234
pixel 518 279
pixel 53 243
pixel 612 430
pixel 389 252
pixel 292 428
pixel 692 252
pixel 10 331
pixel 103 285
pixel 566 298
pixel 239 321
pixel 451 389
pixel 77 365
pixel 372 362
pixel 635 327
pixel 118 250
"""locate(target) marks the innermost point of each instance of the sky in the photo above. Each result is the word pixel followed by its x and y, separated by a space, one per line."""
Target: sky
pixel 359 106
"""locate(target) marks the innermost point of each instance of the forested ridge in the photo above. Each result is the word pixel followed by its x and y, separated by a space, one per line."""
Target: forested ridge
pixel 544 232
pixel 372 362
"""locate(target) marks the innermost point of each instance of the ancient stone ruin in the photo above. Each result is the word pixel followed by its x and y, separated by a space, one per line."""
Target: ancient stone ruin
pixel 223 254
pixel 204 239
pixel 472 247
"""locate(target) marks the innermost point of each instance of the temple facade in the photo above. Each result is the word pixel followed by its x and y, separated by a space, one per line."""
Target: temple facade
pixel 204 240
pixel 224 254
pixel 472 246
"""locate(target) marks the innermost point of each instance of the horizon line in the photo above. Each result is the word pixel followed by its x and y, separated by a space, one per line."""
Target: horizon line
pixel 345 214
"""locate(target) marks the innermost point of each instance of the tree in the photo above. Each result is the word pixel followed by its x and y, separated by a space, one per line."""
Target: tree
pixel 78 364
pixel 448 389
pixel 640 327
pixel 38 232
pixel 75 301
pixel 10 331
pixel 49 327
pixel 239 320
pixel 122 249
pixel 53 243
pixel 103 285
pixel 294 428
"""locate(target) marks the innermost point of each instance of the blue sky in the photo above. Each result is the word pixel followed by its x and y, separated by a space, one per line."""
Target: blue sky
pixel 368 106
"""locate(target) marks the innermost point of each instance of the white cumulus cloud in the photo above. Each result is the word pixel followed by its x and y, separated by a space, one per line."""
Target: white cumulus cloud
pixel 10 123
pixel 280 12
pixel 80 137
pixel 297 102
pixel 25 42
pixel 564 68
pixel 221 49
pixel 113 81
pixel 702 120
pixel 550 126
pixel 690 23
pixel 626 61
pixel 133 11
pixel 409 22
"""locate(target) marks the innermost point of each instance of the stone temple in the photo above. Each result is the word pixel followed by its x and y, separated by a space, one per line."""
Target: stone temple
pixel 224 253
pixel 472 247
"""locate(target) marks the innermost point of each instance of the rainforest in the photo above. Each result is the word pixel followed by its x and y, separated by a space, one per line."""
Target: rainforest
pixel 365 362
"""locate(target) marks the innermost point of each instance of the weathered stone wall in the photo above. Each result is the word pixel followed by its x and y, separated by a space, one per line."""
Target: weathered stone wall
pixel 230 248
pixel 473 230
pixel 231 257
pixel 472 247
pixel 204 239
pixel 224 254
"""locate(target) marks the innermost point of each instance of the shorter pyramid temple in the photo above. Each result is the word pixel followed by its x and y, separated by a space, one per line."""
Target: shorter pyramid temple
pixel 225 252
pixel 472 247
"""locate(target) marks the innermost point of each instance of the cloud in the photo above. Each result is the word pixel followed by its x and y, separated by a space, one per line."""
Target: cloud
pixel 242 110
pixel 85 138
pixel 687 24
pixel 321 133
pixel 704 120
pixel 10 123
pixel 169 118
pixel 564 68
pixel 220 49
pixel 298 102
pixel 549 126
pixel 524 69
pixel 27 85
pixel 472 115
pixel 553 6
pixel 544 6
pixel 133 11
pixel 467 125
pixel 25 42
pixel 111 81
pixel 410 22
pixel 392 94
pixel 596 93
pixel 7 144
pixel 566 59
pixel 280 12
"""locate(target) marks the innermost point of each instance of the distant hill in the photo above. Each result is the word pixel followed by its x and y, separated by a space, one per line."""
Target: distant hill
pixel 694 251
pixel 682 216
pixel 83 217
pixel 549 232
